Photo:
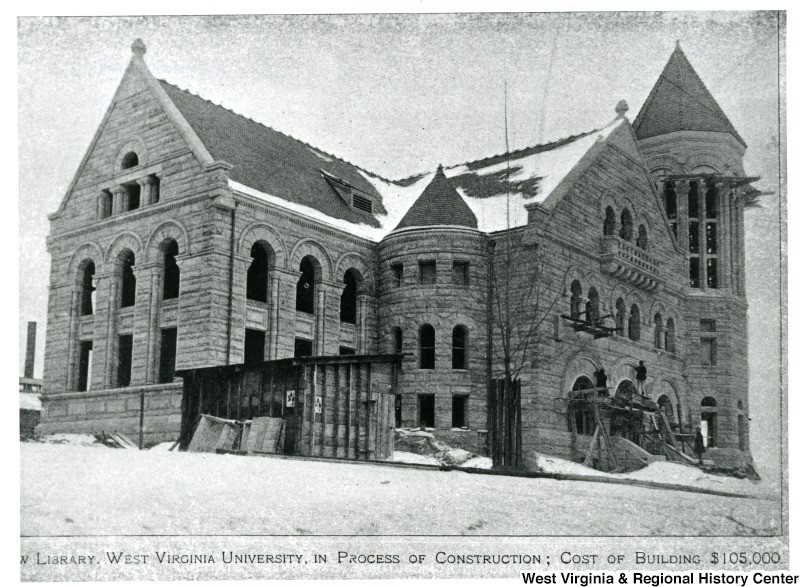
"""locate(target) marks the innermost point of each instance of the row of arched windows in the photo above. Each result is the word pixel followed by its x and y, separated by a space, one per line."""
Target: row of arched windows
pixel 305 300
pixel 126 279
pixel 626 230
pixel 628 320
pixel 427 346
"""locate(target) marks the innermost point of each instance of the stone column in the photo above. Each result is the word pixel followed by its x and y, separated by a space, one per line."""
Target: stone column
pixel 73 345
pixel 146 195
pixel 146 332
pixel 702 189
pixel 723 235
pixel 101 205
pixel 119 200
pixel 740 267
pixel 365 317
pixel 682 193
pixel 103 342
pixel 282 312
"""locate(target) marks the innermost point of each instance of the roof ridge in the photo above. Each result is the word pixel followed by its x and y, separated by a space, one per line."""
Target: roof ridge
pixel 541 146
pixel 301 141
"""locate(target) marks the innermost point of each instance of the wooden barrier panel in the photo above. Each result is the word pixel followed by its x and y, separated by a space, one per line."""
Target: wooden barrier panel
pixel 334 407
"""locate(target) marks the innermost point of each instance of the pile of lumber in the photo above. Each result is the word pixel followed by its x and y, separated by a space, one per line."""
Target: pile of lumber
pixel 115 440
pixel 259 435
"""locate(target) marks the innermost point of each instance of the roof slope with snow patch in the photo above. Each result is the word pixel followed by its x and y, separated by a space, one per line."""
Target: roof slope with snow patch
pixel 295 176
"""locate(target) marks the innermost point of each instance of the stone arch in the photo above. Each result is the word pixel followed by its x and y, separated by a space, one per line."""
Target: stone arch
pixel 310 248
pixel 657 307
pixel 126 240
pixel 626 202
pixel 582 364
pixel 606 200
pixel 259 231
pixel 705 159
pixel 669 387
pixel 574 273
pixel 134 144
pixel 357 262
pixel 83 253
pixel 624 368
pixel 169 230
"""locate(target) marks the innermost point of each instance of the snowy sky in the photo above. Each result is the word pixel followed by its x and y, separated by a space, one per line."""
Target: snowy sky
pixel 398 94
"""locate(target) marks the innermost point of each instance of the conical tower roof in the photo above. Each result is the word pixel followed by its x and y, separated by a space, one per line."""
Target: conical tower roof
pixel 681 101
pixel 439 205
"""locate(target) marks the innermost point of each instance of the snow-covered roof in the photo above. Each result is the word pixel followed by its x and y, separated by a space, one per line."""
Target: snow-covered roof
pixel 496 188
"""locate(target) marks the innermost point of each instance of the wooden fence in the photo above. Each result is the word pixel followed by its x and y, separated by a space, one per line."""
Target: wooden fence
pixel 505 423
pixel 337 407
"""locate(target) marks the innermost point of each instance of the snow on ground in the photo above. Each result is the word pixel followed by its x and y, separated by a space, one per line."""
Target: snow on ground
pixel 413 458
pixel 75 490
pixel 72 439
pixel 478 463
pixel 665 472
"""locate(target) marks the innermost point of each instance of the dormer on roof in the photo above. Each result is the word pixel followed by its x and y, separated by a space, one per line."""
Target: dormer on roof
pixel 439 205
pixel 680 101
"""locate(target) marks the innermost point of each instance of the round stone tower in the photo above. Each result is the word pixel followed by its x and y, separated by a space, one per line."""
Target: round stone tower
pixel 433 269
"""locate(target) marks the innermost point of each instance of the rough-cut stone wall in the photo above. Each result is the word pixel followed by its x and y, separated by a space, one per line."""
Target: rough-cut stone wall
pixel 443 305
pixel 117 411
pixel 215 228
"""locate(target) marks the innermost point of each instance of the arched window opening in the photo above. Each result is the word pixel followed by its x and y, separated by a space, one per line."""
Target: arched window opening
pixel 621 423
pixel 619 316
pixel 305 287
pixel 670 201
pixel 460 347
pixel 172 273
pixel 634 323
pixel 582 412
pixel 575 299
pixel 694 200
pixel 641 238
pixel 427 347
pixel 711 201
pixel 610 222
pixel 87 289
pixel 127 296
pixel 708 421
pixel 593 306
pixel 658 331
pixel 669 336
pixel 131 159
pixel 258 273
pixel 626 225
pixel 666 408
pixel 625 389
pixel 348 302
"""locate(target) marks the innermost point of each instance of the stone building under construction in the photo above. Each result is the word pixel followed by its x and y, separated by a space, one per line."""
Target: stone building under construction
pixel 194 237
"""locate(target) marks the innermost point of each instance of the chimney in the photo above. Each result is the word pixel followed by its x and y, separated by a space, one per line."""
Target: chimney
pixel 30 351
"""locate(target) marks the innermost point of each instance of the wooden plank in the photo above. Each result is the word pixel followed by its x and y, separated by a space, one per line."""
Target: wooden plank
pixel 518 441
pixel 323 413
pixel 357 413
pixel 336 401
pixel 204 438
pixel 245 436
pixel 587 462
pixel 369 445
pixel 348 411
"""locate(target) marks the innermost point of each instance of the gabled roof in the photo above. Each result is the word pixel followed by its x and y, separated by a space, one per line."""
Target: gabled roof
pixel 680 101
pixel 439 205
pixel 272 162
